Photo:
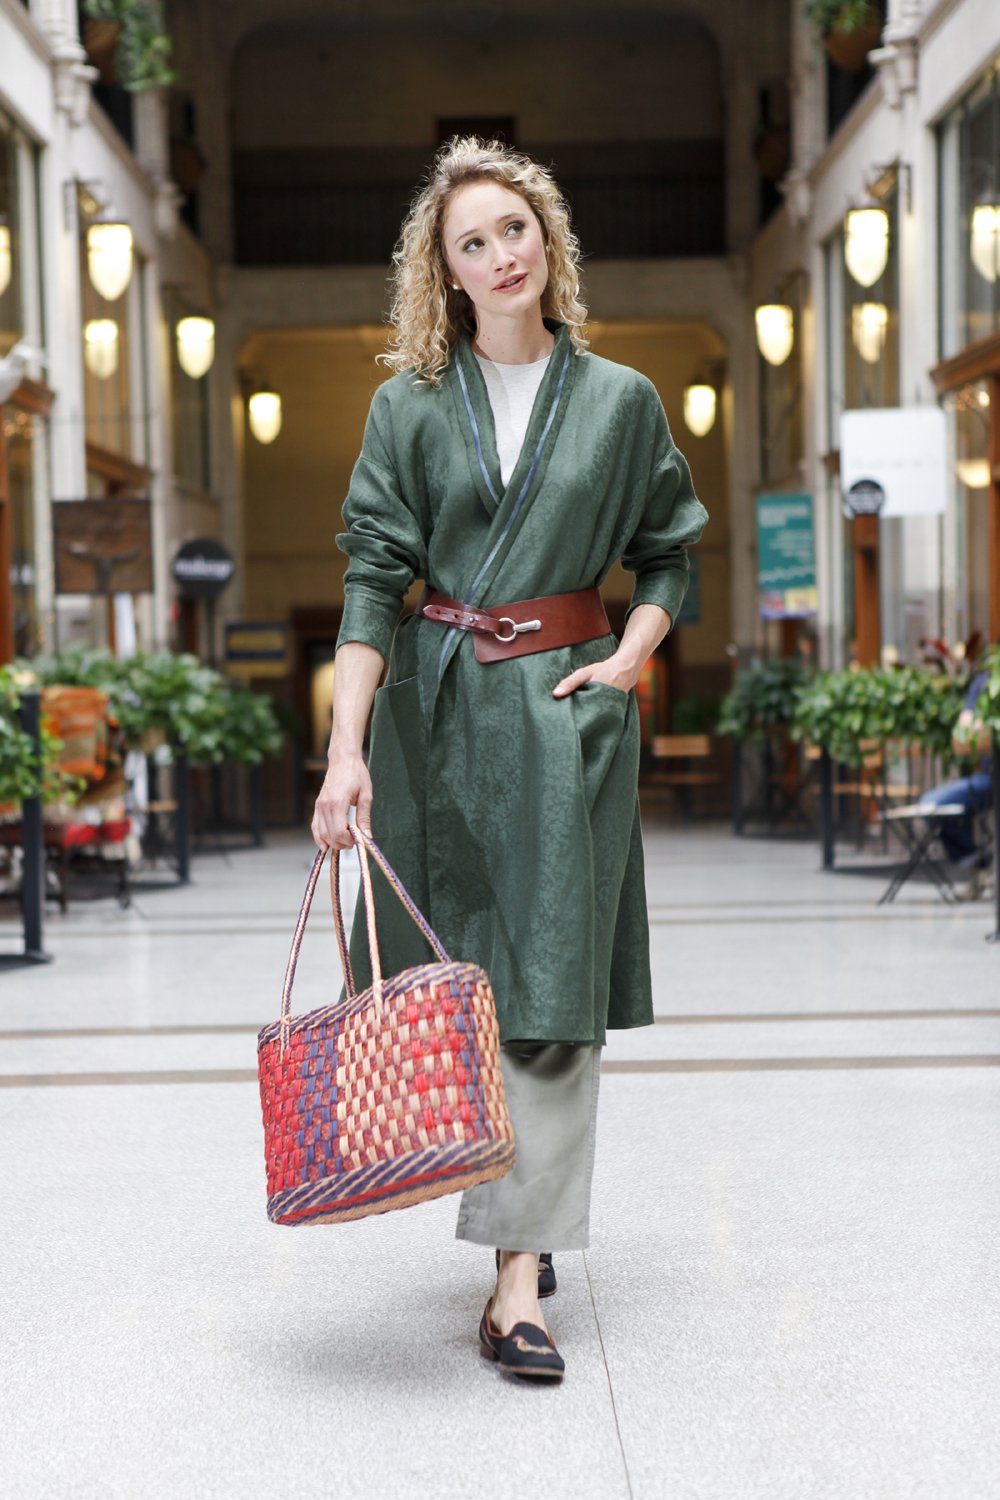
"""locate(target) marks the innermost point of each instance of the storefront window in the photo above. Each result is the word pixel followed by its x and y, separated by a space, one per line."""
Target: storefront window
pixel 863 372
pixel 969 145
pixel 189 399
pixel 22 474
pixel 870 327
pixel 781 429
pixel 114 360
pixel 970 409
pixel 11 253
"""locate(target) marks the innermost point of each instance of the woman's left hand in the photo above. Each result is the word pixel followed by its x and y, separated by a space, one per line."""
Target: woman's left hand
pixel 612 673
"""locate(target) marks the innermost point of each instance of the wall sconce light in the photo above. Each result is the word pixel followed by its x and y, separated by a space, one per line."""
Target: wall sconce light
pixel 195 346
pixel 973 472
pixel 6 258
pixel 866 244
pixel 775 324
pixel 984 237
pixel 699 409
pixel 264 412
pixel 869 322
pixel 100 347
pixel 109 258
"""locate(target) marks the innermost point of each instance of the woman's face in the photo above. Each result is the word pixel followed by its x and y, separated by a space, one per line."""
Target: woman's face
pixel 494 249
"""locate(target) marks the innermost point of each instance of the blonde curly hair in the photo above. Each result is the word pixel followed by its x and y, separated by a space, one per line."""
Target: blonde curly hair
pixel 428 315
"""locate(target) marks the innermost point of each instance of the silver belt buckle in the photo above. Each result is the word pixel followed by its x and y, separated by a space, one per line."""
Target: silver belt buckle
pixel 516 629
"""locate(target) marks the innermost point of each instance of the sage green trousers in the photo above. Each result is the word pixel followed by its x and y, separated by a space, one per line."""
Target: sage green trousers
pixel 543 1202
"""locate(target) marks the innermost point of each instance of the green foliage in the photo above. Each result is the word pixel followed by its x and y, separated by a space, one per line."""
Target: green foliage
pixel 250 726
pixel 840 710
pixel 19 767
pixel 697 714
pixel 23 773
pixel 763 697
pixel 825 16
pixel 199 712
pixel 142 60
pixel 988 703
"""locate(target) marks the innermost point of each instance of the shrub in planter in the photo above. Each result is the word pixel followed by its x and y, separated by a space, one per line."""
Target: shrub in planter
pixel 163 696
pixel 762 698
pixel 697 714
pixel 23 773
pixel 840 711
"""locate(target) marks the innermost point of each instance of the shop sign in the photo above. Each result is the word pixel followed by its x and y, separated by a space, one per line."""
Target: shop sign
pixel 202 568
pixel 103 546
pixel 902 449
pixel 866 497
pixel 786 557
pixel 257 648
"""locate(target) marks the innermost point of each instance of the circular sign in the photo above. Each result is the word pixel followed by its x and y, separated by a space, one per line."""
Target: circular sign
pixel 202 568
pixel 865 497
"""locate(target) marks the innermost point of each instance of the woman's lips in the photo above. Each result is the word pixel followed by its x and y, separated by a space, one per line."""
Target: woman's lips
pixel 512 283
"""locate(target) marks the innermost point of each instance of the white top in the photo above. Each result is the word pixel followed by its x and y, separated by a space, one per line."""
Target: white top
pixel 512 390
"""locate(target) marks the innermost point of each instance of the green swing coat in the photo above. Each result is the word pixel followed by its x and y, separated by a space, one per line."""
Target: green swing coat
pixel 510 815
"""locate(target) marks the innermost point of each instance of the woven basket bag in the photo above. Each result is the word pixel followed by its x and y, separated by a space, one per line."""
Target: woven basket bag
pixel 390 1097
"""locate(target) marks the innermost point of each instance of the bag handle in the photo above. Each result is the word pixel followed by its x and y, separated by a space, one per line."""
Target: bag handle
pixel 364 846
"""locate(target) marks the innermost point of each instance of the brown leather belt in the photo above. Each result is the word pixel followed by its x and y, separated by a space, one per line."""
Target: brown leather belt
pixel 523 628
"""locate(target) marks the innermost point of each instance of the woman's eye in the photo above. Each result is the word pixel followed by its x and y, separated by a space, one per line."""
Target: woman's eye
pixel 472 244
pixel 516 225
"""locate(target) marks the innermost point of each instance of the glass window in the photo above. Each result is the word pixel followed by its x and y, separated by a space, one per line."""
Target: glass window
pixel 189 398
pixel 781 431
pixel 11 251
pixel 114 361
pixel 870 327
pixel 969 160
pixel 23 462
pixel 970 411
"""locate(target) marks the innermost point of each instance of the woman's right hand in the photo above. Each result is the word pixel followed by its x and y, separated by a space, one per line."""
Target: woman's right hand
pixel 347 784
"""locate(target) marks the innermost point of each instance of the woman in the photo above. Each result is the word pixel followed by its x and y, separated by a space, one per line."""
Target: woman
pixel 509 469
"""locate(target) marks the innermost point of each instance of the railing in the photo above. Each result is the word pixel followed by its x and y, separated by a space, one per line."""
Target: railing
pixel 325 207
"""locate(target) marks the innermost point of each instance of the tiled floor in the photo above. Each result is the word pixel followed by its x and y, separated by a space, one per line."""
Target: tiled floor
pixel 792 1288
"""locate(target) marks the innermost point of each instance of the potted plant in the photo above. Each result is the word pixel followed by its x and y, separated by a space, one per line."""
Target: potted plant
pixel 849 29
pixel 23 773
pixel 763 698
pixel 847 712
pixel 127 43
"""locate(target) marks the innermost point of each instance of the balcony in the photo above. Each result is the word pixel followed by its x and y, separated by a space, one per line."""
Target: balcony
pixel 323 207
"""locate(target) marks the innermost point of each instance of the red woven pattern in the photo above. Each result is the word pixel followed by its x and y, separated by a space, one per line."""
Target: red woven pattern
pixel 367 1109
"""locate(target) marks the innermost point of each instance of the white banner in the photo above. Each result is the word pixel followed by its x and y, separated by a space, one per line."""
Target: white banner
pixel 905 450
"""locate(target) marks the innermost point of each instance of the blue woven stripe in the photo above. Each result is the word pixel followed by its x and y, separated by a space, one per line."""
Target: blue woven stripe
pixel 387 1179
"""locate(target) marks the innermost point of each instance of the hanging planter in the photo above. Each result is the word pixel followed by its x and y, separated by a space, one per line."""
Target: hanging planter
pixel 137 57
pixel 100 41
pixel 187 165
pixel 850 29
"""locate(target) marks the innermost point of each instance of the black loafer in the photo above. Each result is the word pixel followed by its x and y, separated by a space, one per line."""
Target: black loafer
pixel 526 1351
pixel 546 1274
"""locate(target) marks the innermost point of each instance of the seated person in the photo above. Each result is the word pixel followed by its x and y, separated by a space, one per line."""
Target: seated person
pixel 973 792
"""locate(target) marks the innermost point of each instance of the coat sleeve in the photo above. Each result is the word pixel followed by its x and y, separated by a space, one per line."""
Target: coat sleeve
pixel 383 540
pixel 672 519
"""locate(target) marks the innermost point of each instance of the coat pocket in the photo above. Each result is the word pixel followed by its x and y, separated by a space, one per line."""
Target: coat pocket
pixel 605 718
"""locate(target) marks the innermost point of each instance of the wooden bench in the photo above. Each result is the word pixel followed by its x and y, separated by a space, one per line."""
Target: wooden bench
pixel 685 751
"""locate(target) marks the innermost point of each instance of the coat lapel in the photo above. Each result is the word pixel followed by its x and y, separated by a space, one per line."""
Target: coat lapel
pixel 509 506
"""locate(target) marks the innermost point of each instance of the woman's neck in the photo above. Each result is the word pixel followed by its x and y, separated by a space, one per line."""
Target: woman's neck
pixel 514 341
